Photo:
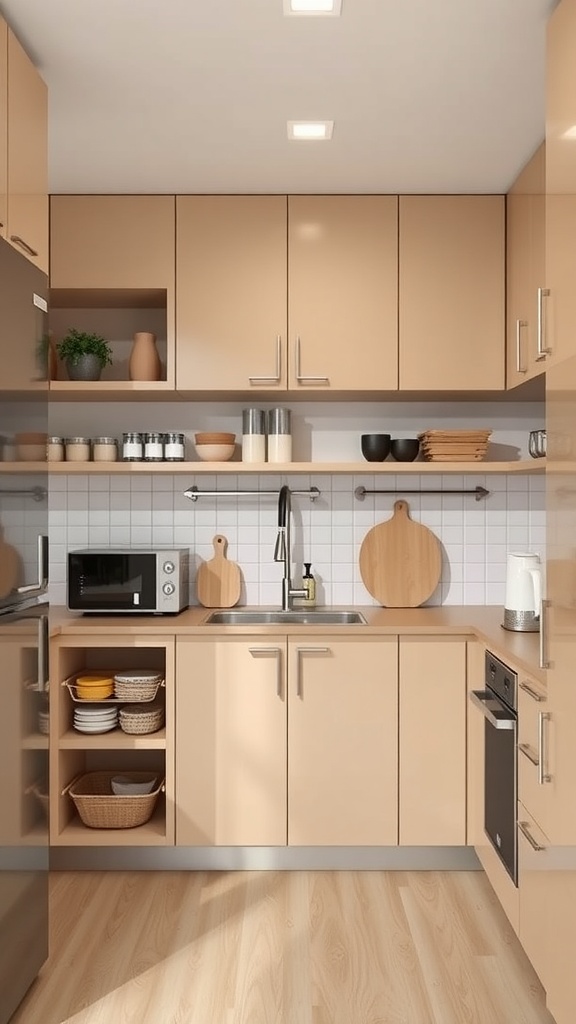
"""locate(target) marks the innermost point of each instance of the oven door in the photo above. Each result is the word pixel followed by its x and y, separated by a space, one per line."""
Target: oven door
pixel 500 777
pixel 112 581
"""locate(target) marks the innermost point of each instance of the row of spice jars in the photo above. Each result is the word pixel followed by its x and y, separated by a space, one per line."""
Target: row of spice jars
pixel 136 447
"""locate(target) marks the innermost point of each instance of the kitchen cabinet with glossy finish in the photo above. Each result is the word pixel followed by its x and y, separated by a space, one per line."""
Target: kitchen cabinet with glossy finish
pixel 451 304
pixel 432 731
pixel 533 727
pixel 27 157
pixel 3 127
pixel 525 271
pixel 343 293
pixel 231 268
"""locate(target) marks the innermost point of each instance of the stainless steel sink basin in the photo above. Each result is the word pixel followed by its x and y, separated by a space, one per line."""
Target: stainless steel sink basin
pixel 299 617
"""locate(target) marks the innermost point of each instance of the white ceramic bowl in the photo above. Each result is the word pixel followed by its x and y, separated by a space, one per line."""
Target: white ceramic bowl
pixel 215 452
pixel 122 786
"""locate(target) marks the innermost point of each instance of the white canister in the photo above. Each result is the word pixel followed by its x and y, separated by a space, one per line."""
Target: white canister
pixel 279 435
pixel 253 435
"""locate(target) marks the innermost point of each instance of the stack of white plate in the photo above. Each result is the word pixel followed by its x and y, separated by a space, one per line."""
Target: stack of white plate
pixel 100 718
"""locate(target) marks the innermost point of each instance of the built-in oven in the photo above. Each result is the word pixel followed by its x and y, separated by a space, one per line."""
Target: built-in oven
pixel 498 703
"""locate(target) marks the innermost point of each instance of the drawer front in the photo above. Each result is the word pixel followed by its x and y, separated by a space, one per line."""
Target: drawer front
pixel 532 735
pixel 534 890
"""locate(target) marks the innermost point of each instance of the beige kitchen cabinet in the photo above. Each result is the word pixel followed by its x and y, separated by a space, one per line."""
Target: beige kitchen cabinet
pixel 112 271
pixel 559 316
pixel 560 920
pixel 231 268
pixel 534 886
pixel 73 753
pixel 27 156
pixel 3 128
pixel 525 271
pixel 451 293
pixel 342 742
pixel 343 293
pixel 533 787
pixel 432 731
pixel 286 741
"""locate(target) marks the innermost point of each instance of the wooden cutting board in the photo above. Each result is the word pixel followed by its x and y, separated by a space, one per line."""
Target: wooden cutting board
pixel 400 561
pixel 218 581
pixel 9 567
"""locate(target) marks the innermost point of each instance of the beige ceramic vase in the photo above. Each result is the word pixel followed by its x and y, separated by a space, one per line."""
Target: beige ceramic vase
pixel 144 362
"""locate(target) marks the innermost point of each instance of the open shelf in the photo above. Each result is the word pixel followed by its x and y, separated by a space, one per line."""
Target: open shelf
pixel 116 739
pixel 531 466
pixel 152 833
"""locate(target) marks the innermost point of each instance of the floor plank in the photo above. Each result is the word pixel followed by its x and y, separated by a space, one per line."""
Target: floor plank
pixel 325 947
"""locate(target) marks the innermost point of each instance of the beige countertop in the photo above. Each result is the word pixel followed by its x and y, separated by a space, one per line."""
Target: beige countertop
pixel 521 650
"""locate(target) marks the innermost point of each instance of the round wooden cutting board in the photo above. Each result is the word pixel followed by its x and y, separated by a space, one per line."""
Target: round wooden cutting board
pixel 400 561
pixel 218 582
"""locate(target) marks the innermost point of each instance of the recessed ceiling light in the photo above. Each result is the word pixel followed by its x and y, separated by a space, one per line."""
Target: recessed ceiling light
pixel 310 130
pixel 332 7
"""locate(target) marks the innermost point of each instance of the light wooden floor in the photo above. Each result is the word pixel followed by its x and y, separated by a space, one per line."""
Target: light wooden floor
pixel 328 947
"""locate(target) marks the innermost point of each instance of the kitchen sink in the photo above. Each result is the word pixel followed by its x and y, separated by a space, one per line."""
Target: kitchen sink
pixel 298 617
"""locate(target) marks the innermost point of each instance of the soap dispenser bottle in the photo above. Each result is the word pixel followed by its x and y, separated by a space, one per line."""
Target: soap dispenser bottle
pixel 309 585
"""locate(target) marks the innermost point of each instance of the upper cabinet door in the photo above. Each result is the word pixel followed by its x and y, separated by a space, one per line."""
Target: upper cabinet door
pixel 3 127
pixel 451 293
pixel 109 242
pixel 27 157
pixel 231 293
pixel 559 304
pixel 525 277
pixel 343 292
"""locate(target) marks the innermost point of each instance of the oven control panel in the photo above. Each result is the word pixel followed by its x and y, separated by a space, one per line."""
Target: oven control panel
pixel 502 680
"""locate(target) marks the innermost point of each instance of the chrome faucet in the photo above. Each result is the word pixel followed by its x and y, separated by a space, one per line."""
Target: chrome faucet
pixel 283 547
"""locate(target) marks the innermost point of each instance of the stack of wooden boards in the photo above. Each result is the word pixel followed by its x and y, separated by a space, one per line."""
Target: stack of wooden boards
pixel 454 445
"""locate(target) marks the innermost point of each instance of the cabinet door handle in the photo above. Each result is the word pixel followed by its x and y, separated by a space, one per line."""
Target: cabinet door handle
pixel 519 325
pixel 532 693
pixel 543 777
pixel 306 650
pixel 544 662
pixel 306 380
pixel 523 826
pixel 275 378
pixel 43 648
pixel 23 245
pixel 526 749
pixel 542 350
pixel 277 653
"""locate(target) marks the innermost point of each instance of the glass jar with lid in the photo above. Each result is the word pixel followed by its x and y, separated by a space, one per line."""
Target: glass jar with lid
pixel 77 449
pixel 55 449
pixel 153 447
pixel 104 449
pixel 174 449
pixel 132 447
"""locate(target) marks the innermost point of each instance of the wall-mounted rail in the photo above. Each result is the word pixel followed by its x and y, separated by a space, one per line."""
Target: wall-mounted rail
pixel 480 492
pixel 37 493
pixel 193 493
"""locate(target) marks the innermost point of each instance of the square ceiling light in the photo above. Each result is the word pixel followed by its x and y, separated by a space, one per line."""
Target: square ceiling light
pixel 330 7
pixel 310 131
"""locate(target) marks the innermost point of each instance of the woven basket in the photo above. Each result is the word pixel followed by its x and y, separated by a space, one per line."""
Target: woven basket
pixel 99 807
pixel 138 721
pixel 136 691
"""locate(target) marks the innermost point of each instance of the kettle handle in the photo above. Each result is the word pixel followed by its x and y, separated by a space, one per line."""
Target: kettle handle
pixel 536 577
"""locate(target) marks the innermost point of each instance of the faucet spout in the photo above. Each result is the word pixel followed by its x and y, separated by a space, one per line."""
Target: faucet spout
pixel 282 550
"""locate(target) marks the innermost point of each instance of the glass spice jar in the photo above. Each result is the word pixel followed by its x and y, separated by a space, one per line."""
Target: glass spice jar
pixel 132 447
pixel 153 447
pixel 77 449
pixel 105 449
pixel 55 449
pixel 174 447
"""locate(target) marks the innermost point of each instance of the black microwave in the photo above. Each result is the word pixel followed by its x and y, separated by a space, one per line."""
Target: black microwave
pixel 131 580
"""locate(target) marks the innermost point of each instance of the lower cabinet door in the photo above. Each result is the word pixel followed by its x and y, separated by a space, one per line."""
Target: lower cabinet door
pixel 432 787
pixel 231 742
pixel 534 891
pixel 342 741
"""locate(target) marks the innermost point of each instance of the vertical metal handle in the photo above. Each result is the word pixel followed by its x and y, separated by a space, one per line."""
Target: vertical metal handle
pixel 23 245
pixel 275 379
pixel 43 654
pixel 306 380
pixel 306 650
pixel 544 663
pixel 40 586
pixel 542 350
pixel 543 716
pixel 277 652
pixel 519 325
pixel 523 826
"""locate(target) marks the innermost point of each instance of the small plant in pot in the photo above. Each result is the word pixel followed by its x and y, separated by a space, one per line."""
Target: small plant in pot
pixel 85 355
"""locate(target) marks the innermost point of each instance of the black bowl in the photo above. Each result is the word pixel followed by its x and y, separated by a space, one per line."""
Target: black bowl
pixel 405 449
pixel 375 447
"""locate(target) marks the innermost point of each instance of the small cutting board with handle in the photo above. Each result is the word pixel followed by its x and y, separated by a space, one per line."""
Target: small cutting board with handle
pixel 9 567
pixel 400 561
pixel 218 581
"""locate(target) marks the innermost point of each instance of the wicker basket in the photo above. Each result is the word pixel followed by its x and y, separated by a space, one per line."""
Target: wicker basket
pixel 99 807
pixel 143 691
pixel 139 721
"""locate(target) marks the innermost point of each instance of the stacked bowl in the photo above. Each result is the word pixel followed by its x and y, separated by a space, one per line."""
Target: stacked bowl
pixel 215 446
pixel 94 686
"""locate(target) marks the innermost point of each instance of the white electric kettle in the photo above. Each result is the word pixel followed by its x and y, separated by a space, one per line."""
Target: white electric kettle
pixel 523 592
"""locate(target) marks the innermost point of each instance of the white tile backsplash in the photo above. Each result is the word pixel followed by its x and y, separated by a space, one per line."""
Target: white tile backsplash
pixel 475 536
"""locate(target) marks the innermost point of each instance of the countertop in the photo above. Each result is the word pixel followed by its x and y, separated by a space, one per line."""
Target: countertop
pixel 521 650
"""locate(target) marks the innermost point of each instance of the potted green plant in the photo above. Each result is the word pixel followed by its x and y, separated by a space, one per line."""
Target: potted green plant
pixel 84 354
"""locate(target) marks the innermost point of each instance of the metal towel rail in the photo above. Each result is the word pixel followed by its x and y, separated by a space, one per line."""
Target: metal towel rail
pixel 193 493
pixel 37 493
pixel 480 492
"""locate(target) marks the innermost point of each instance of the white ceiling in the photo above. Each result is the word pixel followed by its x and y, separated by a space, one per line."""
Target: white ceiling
pixel 190 96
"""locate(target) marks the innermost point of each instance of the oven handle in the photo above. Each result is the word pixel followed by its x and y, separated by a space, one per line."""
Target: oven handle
pixel 487 704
